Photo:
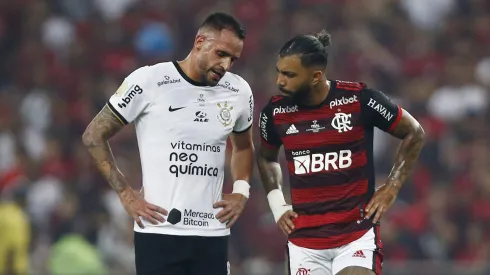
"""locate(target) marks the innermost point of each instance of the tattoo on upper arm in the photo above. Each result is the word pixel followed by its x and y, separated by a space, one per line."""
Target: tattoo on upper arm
pixel 95 138
pixel 105 125
pixel 407 125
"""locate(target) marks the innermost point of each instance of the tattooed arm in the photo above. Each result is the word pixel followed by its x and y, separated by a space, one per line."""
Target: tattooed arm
pixel 271 175
pixel 379 111
pixel 412 135
pixel 270 171
pixel 269 168
pixel 96 138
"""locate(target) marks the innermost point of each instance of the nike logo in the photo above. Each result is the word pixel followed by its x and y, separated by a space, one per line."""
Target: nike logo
pixel 170 109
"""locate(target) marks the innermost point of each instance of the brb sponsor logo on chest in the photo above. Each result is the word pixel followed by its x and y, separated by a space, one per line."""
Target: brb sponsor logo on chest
pixel 306 163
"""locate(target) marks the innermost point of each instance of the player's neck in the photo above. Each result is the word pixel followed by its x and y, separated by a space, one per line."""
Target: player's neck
pixel 189 68
pixel 318 94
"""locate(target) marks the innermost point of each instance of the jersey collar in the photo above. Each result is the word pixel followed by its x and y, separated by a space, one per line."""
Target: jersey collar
pixel 187 78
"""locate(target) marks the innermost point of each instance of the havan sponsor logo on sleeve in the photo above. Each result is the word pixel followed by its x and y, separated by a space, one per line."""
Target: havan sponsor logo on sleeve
pixel 263 125
pixel 380 109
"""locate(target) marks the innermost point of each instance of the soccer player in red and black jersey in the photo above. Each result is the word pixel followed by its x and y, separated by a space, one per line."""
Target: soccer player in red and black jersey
pixel 326 128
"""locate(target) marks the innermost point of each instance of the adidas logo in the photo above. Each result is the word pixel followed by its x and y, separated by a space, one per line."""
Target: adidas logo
pixel 358 254
pixel 292 130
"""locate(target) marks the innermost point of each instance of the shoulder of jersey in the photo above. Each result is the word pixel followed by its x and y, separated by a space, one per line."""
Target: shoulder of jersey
pixel 280 100
pixel 350 86
pixel 162 74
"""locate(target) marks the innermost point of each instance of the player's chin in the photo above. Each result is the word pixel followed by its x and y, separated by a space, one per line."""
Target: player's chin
pixel 287 93
pixel 213 78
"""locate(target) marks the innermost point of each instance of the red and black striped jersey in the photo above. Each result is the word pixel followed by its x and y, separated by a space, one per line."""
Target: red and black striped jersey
pixel 329 150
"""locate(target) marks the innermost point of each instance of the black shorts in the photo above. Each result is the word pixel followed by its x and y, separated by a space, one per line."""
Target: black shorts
pixel 158 254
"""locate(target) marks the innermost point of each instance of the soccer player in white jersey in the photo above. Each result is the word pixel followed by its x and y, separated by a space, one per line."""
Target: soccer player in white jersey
pixel 184 113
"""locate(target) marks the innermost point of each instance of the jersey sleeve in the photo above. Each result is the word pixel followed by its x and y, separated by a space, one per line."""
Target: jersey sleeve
pixel 245 117
pixel 268 133
pixel 378 110
pixel 133 97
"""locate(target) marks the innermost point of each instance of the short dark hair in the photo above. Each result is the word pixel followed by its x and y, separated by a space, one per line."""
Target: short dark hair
pixel 312 49
pixel 220 21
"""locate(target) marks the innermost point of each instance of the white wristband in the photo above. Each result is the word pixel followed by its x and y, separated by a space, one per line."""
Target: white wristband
pixel 278 204
pixel 241 187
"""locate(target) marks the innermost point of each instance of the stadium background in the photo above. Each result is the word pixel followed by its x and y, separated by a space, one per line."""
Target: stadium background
pixel 61 59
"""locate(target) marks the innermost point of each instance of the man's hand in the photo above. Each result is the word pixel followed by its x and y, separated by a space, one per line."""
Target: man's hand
pixel 286 221
pixel 232 205
pixel 382 200
pixel 136 206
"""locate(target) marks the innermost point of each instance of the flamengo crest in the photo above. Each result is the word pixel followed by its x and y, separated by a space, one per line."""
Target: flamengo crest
pixel 341 122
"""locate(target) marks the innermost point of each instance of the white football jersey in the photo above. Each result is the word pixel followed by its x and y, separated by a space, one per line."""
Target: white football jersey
pixel 182 127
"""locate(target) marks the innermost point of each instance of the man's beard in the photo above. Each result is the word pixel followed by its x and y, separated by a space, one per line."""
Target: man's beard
pixel 212 82
pixel 300 95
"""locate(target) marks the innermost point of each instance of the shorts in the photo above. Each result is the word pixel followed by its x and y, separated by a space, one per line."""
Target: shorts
pixel 180 255
pixel 364 252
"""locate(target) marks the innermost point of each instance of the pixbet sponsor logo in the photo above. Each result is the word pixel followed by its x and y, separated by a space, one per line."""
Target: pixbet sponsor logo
pixel 133 91
pixel 287 110
pixel 187 163
pixel 322 162
pixel 343 101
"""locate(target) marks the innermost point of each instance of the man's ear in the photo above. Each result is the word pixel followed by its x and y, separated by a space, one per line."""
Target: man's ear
pixel 317 78
pixel 199 41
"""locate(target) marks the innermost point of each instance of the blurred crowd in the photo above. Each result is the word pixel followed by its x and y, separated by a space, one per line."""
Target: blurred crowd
pixel 60 60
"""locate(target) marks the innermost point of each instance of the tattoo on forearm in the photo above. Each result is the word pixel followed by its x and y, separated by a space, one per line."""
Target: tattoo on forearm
pixel 269 168
pixel 413 135
pixel 95 138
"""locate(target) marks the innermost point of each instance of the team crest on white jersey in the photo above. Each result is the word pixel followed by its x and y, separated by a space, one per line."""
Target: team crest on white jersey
pixel 341 122
pixel 224 115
